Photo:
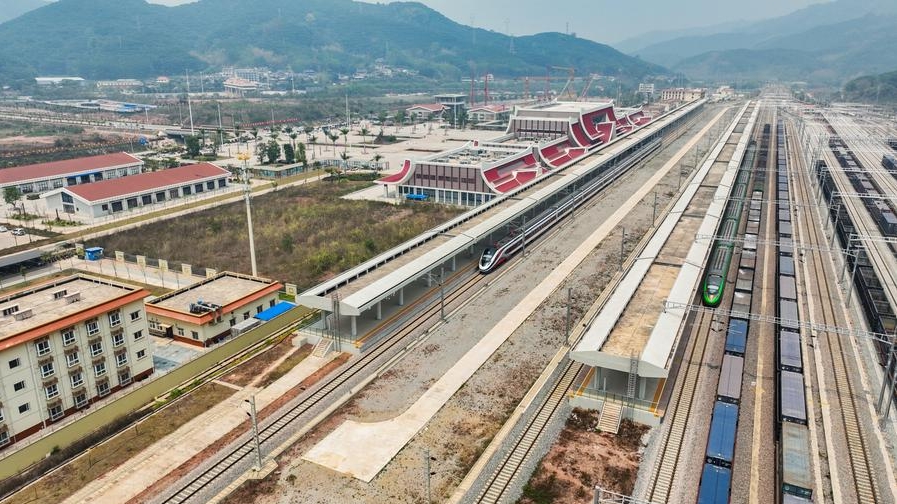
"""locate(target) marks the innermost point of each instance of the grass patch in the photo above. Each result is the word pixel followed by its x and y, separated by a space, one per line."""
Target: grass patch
pixel 285 366
pixel 118 450
pixel 303 234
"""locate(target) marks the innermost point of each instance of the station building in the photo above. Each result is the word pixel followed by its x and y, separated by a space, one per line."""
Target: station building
pixel 64 345
pixel 682 94
pixel 147 189
pixel 538 140
pixel 43 177
pixel 203 314
pixel 425 111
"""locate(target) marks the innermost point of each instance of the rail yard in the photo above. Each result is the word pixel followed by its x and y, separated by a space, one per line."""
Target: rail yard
pixel 722 275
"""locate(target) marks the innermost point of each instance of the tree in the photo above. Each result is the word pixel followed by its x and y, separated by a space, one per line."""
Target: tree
pixel 345 157
pixel 377 158
pixel 272 150
pixel 11 195
pixel 289 154
pixel 308 130
pixel 382 118
pixel 301 156
pixel 345 133
pixel 260 151
pixel 399 118
pixel 312 139
pixel 293 137
pixel 333 138
pixel 364 136
pixel 193 146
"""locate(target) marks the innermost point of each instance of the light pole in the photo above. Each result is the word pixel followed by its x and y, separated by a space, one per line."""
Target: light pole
pixel 441 280
pixel 255 432
pixel 247 197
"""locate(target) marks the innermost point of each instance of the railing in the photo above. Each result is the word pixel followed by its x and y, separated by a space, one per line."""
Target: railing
pixel 641 404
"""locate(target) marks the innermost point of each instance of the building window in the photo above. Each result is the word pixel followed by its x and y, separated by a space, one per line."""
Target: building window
pixel 186 190
pixel 105 207
pixel 47 370
pixel 72 359
pixel 76 379
pixel 197 188
pixel 180 331
pixel 67 198
pixel 132 203
pixel 210 185
pixel 118 340
pixel 272 303
pixel 55 412
pixel 146 199
pixel 43 347
pixel 80 400
pixel 68 336
pixel 19 386
pixel 51 391
pixel 96 348
pixel 258 309
pixel 154 325
pixel 93 327
pixel 23 408
pixel 233 322
pixel 4 438
pixel 121 359
pixel 14 363
pixel 160 196
pixel 99 369
pixel 135 315
pixel 194 334
pixel 1 414
pixel 117 206
pixel 103 388
pixel 124 377
pixel 173 193
pixel 141 354
pixel 138 335
pixel 114 319
pixel 57 183
pixel 246 315
pixel 222 183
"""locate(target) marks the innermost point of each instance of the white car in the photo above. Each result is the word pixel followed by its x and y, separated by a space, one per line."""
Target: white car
pixel 18 232
pixel 3 229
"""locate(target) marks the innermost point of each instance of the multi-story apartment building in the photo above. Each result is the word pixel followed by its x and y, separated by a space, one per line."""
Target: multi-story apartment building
pixel 64 345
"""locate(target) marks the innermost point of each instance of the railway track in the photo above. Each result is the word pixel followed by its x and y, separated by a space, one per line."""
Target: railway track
pixel 664 472
pixel 864 483
pixel 197 485
pixel 498 484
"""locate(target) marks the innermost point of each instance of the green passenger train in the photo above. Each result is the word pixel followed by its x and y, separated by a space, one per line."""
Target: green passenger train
pixel 714 282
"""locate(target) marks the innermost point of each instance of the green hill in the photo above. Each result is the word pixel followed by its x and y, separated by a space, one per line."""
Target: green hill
pixel 130 38
pixel 873 88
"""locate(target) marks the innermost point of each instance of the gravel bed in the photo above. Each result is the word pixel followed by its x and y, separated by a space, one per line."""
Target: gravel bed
pixel 461 430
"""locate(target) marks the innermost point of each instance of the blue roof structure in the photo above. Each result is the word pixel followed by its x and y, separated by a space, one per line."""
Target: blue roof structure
pixel 275 311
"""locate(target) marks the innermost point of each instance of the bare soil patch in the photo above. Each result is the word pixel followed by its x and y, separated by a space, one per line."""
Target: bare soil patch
pixel 251 369
pixel 583 458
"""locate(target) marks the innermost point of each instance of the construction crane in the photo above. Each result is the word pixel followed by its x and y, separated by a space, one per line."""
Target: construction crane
pixel 546 78
pixel 567 92
pixel 585 90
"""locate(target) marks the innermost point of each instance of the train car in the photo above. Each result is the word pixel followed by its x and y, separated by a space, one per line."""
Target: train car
pixel 787 287
pixel 889 162
pixel 748 259
pixel 715 277
pixel 729 387
pixel 785 229
pixel 892 143
pixel 744 282
pixel 788 316
pixel 797 475
pixel 792 399
pixel 786 265
pixel 715 485
pixel 721 440
pixel 736 336
pixel 741 302
pixel 790 352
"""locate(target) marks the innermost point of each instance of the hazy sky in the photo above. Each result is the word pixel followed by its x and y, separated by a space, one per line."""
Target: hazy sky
pixel 599 20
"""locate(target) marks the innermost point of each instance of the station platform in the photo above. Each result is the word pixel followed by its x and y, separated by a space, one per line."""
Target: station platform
pixel 357 296
pixel 629 346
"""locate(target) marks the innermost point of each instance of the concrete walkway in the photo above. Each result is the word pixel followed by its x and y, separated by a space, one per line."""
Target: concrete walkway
pixel 147 467
pixel 362 450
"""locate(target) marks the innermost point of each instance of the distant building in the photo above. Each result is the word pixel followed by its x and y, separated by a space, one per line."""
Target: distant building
pixel 488 113
pixel 204 313
pixel 425 111
pixel 163 80
pixel 237 86
pixel 65 344
pixel 55 81
pixel 120 84
pixel 43 177
pixel 147 189
pixel 682 94
pixel 646 88
pixel 454 102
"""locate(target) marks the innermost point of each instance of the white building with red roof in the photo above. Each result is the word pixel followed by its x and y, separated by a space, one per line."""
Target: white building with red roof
pixel 425 111
pixel 109 197
pixel 43 177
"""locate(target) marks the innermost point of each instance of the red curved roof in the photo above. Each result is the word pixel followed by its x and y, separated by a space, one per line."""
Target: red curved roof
pixel 398 177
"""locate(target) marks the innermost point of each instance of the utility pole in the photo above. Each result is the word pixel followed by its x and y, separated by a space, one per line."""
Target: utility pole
pixel 247 197
pixel 255 432
pixel 442 293
pixel 189 105
pixel 429 499
pixel 524 236
pixel 622 242
pixel 654 212
pixel 567 319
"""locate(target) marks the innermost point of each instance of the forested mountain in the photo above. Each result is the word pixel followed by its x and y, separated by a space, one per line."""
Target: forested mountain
pixel 873 88
pixel 130 38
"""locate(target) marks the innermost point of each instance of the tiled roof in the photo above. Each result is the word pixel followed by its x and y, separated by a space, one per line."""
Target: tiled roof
pixel 24 173
pixel 144 182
